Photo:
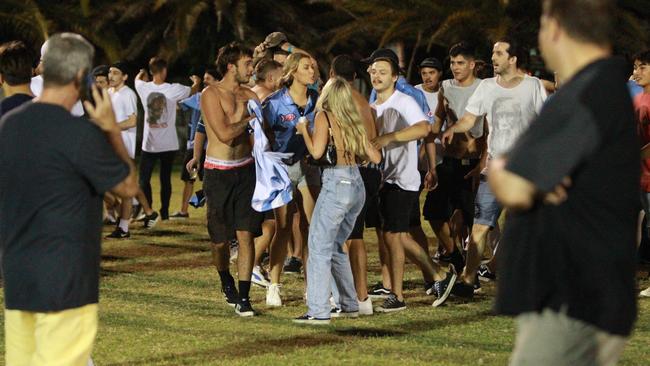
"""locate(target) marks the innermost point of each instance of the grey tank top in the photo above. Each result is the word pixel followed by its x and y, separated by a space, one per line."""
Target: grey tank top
pixel 457 98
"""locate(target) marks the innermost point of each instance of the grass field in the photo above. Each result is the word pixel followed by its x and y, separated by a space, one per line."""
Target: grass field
pixel 160 305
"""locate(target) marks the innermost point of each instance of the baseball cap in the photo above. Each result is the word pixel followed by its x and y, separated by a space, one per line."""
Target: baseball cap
pixel 275 39
pixel 431 62
pixel 382 53
pixel 122 66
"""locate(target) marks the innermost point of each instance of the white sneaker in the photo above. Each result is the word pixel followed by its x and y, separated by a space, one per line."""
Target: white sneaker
pixel 257 277
pixel 273 295
pixel 645 293
pixel 365 307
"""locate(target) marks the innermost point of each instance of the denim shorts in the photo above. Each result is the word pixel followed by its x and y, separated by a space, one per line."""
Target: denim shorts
pixel 303 174
pixel 486 207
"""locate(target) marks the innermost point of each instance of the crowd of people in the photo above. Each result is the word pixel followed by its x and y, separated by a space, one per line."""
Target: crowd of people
pixel 516 170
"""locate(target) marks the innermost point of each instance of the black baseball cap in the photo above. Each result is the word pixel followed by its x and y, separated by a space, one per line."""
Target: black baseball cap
pixel 382 53
pixel 431 62
pixel 122 66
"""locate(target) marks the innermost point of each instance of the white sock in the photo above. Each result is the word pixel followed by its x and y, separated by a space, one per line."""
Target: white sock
pixel 124 225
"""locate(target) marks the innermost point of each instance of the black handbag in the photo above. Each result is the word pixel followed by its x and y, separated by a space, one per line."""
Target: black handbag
pixel 329 156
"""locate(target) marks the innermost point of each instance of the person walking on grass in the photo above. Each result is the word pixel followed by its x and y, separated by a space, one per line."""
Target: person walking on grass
pixel 230 173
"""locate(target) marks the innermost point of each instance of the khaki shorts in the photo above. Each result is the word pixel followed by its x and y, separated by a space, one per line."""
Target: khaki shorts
pixel 62 338
pixel 553 338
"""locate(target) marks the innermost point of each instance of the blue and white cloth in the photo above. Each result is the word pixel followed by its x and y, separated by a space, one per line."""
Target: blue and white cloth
pixel 273 187
pixel 193 103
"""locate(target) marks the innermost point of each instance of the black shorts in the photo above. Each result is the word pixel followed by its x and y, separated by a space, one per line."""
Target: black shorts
pixel 396 207
pixel 454 192
pixel 369 215
pixel 268 215
pixel 185 175
pixel 229 193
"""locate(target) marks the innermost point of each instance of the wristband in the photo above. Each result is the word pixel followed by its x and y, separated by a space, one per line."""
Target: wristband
pixel 290 48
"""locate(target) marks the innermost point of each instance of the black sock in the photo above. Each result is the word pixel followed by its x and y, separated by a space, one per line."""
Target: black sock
pixel 226 278
pixel 244 289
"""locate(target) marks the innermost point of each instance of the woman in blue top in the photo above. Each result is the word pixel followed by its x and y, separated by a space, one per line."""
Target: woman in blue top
pixel 282 110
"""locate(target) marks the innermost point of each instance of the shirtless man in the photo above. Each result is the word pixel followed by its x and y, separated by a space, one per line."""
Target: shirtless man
pixel 230 173
pixel 452 182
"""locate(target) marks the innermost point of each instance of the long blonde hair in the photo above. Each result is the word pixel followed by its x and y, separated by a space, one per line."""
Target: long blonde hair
pixel 337 99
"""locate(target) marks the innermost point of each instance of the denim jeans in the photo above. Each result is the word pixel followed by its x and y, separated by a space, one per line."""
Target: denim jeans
pixel 340 200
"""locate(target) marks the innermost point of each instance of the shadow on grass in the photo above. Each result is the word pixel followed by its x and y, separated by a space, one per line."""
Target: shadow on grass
pixel 330 336
pixel 242 350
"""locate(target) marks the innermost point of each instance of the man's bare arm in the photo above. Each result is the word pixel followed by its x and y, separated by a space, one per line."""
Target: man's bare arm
pixel 128 123
pixel 219 122
pixel 463 125
pixel 414 132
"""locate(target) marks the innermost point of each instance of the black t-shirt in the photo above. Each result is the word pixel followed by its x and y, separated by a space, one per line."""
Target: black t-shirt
pixel 54 169
pixel 580 254
pixel 12 102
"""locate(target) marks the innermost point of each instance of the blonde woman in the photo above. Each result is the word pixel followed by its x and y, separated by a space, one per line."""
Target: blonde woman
pixel 339 202
pixel 282 111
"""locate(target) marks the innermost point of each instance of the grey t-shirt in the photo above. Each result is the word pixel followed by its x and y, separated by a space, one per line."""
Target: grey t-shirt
pixel 457 97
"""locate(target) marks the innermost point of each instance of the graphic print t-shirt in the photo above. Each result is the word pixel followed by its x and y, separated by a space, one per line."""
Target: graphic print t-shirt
pixel 159 104
pixel 509 111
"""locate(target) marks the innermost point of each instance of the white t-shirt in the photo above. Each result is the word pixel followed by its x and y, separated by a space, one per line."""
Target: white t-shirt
pixel 37 88
pixel 159 103
pixel 432 99
pixel 509 111
pixel 125 104
pixel 400 158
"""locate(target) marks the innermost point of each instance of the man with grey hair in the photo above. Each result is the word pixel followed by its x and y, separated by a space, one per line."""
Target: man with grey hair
pixel 50 242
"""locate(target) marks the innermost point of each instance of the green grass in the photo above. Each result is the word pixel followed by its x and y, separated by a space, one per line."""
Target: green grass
pixel 160 305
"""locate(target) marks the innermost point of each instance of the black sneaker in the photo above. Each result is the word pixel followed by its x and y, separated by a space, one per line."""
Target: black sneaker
pixel 454 258
pixel 307 319
pixel 179 216
pixel 378 291
pixel 463 289
pixel 231 294
pixel 293 265
pixel 477 285
pixel 485 275
pixel 244 309
pixel 118 233
pixel 339 313
pixel 391 304
pixel 443 288
pixel 429 288
pixel 151 220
